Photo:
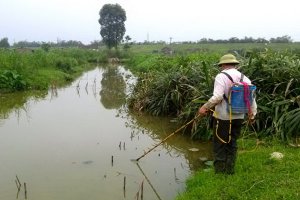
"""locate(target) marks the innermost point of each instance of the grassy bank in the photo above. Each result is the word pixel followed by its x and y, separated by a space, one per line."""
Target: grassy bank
pixel 257 176
pixel 37 69
pixel 178 84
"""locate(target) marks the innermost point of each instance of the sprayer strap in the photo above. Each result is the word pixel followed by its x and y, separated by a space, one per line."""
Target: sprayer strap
pixel 228 76
pixel 242 77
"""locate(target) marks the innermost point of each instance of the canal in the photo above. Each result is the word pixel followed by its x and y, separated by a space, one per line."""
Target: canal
pixel 78 142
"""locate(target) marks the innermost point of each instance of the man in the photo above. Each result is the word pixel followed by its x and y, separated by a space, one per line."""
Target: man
pixel 226 125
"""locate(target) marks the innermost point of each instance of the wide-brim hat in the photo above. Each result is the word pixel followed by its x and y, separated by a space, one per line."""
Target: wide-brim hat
pixel 228 59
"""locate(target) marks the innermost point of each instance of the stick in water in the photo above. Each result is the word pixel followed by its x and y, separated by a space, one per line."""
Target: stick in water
pixel 25 190
pixel 124 187
pixel 142 190
pixel 19 181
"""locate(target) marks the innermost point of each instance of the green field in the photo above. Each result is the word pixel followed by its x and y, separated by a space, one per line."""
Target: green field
pixel 218 48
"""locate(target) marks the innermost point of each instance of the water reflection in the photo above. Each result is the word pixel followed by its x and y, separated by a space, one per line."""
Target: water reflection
pixel 113 88
pixel 160 127
pixel 15 102
pixel 73 133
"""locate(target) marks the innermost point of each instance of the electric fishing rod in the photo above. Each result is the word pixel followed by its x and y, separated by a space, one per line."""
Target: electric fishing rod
pixel 179 129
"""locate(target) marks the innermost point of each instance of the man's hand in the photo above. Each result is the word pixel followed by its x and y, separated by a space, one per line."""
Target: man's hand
pixel 251 118
pixel 251 121
pixel 203 111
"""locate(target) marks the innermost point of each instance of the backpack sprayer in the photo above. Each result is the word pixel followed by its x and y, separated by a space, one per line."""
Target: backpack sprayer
pixel 239 100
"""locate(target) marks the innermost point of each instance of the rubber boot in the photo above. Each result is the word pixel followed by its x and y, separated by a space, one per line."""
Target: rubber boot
pixel 219 167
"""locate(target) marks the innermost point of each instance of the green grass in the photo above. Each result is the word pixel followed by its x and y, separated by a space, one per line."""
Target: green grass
pixel 257 176
pixel 36 69
pixel 216 48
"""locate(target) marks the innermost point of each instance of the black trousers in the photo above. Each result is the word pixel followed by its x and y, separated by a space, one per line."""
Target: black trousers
pixel 224 146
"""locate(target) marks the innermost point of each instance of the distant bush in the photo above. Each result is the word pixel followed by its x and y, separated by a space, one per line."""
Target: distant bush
pixel 66 64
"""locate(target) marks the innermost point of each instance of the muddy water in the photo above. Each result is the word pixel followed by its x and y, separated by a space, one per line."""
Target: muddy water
pixel 77 143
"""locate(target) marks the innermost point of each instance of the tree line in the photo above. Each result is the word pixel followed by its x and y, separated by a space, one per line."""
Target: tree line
pixel 112 30
pixel 60 44
pixel 282 39
pixel 98 43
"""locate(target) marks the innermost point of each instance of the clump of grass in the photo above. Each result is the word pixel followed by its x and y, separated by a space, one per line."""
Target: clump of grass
pixel 174 86
pixel 277 77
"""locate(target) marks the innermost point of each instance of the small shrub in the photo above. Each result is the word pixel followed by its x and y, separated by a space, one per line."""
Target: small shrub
pixel 66 64
pixel 12 80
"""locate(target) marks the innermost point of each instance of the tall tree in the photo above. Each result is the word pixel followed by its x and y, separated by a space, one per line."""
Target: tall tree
pixel 4 43
pixel 112 18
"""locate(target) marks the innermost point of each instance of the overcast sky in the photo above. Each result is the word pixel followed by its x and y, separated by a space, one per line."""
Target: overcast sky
pixel 183 20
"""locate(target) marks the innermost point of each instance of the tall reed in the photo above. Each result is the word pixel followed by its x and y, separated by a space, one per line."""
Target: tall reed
pixel 178 85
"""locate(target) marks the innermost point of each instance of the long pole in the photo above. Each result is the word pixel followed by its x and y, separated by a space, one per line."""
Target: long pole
pixel 179 129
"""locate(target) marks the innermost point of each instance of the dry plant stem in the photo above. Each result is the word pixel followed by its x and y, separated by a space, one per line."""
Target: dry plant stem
pixel 175 176
pixel 18 186
pixel 18 181
pixel 124 187
pixel 25 188
pixel 253 185
pixel 142 190
pixel 18 194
